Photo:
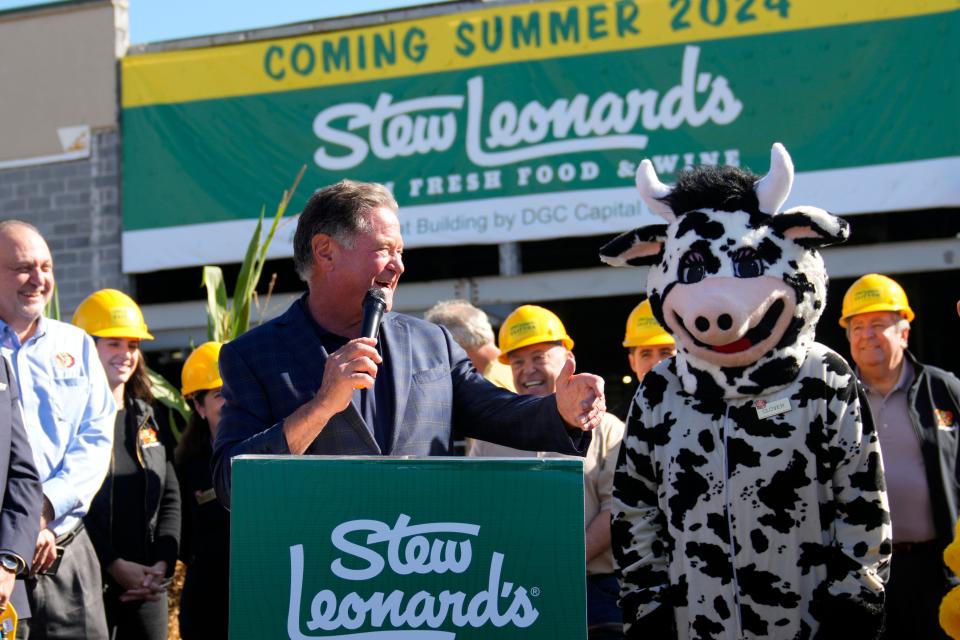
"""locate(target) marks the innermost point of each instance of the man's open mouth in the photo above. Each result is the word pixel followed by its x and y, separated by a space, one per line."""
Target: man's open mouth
pixel 754 336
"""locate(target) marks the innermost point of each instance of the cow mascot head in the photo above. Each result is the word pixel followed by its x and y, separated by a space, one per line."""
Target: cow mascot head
pixel 738 283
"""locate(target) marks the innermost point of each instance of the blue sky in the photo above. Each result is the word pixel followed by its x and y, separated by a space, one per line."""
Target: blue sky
pixel 154 20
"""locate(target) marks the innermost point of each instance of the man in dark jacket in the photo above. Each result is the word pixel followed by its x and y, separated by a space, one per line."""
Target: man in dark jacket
pixel 20 497
pixel 916 409
pixel 307 382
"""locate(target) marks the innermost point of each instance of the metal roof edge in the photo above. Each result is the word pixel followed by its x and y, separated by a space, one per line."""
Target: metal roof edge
pixel 55 6
pixel 323 25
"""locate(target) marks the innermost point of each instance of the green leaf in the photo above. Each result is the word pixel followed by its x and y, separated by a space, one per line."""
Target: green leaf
pixel 254 261
pixel 226 322
pixel 281 210
pixel 174 427
pixel 246 284
pixel 168 395
pixel 52 309
pixel 218 315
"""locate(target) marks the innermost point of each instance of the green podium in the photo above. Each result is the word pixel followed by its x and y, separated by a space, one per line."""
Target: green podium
pixel 372 548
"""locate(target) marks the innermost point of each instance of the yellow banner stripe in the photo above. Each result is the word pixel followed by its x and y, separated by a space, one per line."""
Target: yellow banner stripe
pixel 468 40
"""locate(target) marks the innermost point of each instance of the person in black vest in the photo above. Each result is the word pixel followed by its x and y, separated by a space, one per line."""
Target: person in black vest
pixel 134 520
pixel 206 523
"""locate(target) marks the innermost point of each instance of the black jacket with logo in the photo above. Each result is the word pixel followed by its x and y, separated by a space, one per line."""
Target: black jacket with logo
pixel 933 402
pixel 136 514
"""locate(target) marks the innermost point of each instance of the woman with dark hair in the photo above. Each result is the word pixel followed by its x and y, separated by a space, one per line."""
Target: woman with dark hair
pixel 134 520
pixel 206 533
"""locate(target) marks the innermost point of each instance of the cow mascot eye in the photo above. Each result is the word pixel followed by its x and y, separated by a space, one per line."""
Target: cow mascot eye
pixel 692 267
pixel 747 264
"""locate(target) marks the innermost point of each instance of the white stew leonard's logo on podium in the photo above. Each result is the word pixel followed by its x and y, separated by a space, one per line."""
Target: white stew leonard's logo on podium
pixel 368 548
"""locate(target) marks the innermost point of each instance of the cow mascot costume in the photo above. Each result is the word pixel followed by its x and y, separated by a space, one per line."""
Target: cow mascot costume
pixel 750 500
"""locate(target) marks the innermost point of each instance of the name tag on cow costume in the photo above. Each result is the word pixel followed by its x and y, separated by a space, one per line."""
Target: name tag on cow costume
pixel 766 409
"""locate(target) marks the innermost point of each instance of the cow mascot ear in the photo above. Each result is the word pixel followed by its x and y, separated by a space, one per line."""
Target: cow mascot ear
pixel 643 245
pixel 637 248
pixel 811 227
pixel 807 226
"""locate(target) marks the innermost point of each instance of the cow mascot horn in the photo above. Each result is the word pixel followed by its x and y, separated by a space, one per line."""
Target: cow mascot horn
pixel 749 495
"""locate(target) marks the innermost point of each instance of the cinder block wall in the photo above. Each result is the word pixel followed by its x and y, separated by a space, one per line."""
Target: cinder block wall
pixel 76 206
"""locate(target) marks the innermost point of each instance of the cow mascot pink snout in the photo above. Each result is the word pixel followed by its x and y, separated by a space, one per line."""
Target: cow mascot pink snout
pixel 749 493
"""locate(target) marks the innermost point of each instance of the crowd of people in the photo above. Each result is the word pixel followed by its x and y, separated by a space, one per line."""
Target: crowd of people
pixel 99 500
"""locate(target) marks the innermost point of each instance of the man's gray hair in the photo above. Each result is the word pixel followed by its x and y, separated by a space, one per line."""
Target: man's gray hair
pixel 469 325
pixel 339 211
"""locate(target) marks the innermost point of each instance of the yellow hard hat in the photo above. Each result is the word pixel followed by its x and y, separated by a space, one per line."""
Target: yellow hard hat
pixel 528 325
pixel 874 292
pixel 109 313
pixel 200 371
pixel 643 330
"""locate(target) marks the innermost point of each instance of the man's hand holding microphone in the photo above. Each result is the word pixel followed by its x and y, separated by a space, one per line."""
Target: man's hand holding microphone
pixel 352 366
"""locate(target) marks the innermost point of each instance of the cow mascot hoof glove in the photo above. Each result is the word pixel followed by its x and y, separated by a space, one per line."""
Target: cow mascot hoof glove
pixel 749 492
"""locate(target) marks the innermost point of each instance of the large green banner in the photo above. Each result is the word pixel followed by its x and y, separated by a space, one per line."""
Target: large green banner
pixel 527 121
pixel 396 549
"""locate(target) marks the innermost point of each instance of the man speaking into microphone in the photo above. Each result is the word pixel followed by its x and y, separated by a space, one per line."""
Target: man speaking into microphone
pixel 308 382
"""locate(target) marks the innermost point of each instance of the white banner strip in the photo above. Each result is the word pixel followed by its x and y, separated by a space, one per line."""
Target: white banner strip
pixel 923 184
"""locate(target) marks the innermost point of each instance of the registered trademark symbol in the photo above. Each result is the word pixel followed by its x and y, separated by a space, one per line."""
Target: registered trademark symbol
pixel 535 591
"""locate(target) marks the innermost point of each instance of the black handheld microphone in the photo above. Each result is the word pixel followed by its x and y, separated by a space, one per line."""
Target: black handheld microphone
pixel 374 304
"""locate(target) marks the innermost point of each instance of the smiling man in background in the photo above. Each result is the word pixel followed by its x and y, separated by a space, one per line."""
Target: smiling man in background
pixel 534 342
pixel 915 409
pixel 69 412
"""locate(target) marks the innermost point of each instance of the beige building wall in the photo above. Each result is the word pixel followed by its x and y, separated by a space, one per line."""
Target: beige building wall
pixel 59 75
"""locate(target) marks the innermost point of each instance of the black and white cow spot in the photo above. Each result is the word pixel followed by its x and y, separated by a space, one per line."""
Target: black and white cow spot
pixel 759 541
pixel 717 523
pixel 766 588
pixel 705 628
pixel 869 514
pixel 837 564
pixel 701 225
pixel 705 439
pixel 654 385
pixel 720 606
pixel 741 453
pixel 871 478
pixel 714 561
pixel 752 621
pixel 688 486
pixel 780 496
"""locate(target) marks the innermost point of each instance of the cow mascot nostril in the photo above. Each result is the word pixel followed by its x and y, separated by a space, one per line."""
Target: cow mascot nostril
pixel 749 493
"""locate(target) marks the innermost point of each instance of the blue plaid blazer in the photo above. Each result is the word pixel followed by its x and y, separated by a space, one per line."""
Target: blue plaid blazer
pixel 21 494
pixel 272 370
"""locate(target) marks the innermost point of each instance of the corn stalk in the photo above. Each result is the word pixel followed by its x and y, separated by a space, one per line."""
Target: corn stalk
pixel 227 320
pixel 169 396
pixel 52 308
